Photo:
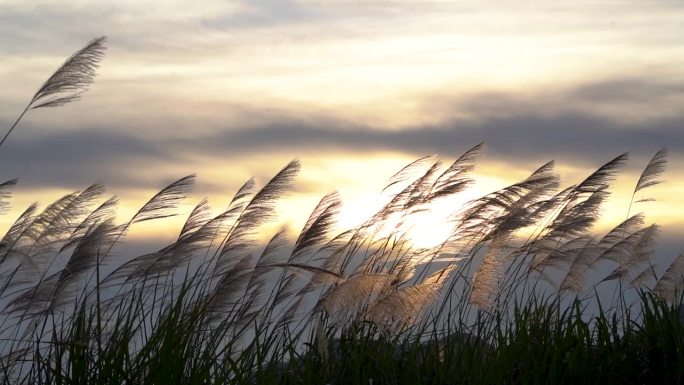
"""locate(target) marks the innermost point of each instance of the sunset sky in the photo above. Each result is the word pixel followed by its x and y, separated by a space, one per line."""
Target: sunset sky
pixel 355 90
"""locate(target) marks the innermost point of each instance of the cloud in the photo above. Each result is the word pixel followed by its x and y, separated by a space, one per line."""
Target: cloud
pixel 516 129
pixel 568 136
pixel 631 101
pixel 584 125
pixel 73 159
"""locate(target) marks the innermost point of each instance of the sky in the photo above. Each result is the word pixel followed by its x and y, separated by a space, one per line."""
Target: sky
pixel 354 89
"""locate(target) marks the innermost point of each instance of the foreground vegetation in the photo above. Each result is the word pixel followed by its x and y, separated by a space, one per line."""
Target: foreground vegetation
pixel 521 291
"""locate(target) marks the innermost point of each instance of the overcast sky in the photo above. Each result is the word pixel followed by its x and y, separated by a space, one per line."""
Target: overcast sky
pixel 356 90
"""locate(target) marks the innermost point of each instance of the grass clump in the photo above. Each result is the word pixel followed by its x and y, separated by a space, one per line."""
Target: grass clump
pixel 349 306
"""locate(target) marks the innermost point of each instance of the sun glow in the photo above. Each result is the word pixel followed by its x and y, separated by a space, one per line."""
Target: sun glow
pixel 424 228
pixel 429 228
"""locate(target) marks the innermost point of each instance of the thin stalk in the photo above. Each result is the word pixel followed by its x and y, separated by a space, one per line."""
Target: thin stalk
pixel 4 138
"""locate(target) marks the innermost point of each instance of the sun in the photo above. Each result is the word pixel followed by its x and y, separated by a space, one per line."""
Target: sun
pixel 428 229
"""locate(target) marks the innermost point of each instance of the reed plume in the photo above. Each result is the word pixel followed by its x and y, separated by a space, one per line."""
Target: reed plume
pixel 69 81
pixel 5 193
pixel 344 302
pixel 670 283
pixel 649 177
pixel 485 288
pixel 259 210
pixel 403 307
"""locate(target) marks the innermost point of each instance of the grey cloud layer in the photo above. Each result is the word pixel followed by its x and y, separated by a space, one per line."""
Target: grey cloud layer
pixel 573 137
pixel 74 159
pixel 585 125
pixel 515 132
